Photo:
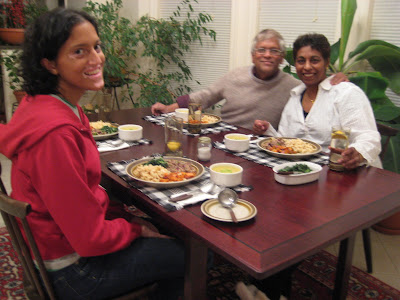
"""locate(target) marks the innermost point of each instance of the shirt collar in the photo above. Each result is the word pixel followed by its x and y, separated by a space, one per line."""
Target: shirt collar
pixel 324 85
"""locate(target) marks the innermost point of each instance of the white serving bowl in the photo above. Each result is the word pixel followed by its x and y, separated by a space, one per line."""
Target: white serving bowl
pixel 294 179
pixel 130 132
pixel 237 142
pixel 182 113
pixel 219 177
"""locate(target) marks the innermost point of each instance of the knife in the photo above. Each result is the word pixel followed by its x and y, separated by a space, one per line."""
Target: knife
pixel 179 197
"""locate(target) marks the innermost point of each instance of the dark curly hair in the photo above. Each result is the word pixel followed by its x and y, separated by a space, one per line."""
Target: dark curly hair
pixel 43 39
pixel 316 41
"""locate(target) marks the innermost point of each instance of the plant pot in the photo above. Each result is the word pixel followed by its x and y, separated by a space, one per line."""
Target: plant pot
pixel 19 94
pixel 12 36
pixel 389 225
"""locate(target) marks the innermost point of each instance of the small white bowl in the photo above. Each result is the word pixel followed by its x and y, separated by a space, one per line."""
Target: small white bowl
pixel 219 177
pixel 294 179
pixel 237 142
pixel 182 113
pixel 130 132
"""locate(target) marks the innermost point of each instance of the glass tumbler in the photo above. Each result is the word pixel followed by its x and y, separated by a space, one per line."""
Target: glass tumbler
pixel 340 140
pixel 194 118
pixel 173 136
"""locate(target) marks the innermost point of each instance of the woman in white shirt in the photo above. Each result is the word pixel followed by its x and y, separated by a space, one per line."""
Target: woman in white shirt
pixel 315 106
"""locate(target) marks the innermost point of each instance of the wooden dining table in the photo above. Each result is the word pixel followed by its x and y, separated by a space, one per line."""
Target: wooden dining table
pixel 292 222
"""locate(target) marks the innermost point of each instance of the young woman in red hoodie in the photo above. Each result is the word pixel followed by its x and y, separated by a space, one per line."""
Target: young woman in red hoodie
pixel 56 168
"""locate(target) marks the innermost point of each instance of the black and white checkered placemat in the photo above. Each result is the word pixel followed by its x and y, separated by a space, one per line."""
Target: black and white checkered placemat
pixel 258 156
pixel 161 196
pixel 219 127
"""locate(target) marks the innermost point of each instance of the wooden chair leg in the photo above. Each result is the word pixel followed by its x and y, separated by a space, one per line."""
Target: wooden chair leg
pixel 366 234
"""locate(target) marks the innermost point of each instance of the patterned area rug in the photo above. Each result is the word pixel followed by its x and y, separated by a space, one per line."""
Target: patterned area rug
pixel 313 279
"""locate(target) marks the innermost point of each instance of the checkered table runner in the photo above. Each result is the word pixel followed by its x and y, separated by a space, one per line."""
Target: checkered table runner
pixel 258 156
pixel 159 196
pixel 221 126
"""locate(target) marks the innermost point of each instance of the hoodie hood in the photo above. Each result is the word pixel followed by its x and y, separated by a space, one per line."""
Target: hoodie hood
pixel 35 117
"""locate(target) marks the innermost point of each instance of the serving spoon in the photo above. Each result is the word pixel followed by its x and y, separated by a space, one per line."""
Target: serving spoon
pixel 228 199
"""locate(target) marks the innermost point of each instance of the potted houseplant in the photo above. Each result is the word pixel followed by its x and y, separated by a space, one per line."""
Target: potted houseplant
pixel 12 21
pixel 11 61
pixel 163 42
pixel 15 16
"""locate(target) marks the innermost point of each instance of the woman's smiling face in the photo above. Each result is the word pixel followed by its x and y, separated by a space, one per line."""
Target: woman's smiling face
pixel 79 63
pixel 310 66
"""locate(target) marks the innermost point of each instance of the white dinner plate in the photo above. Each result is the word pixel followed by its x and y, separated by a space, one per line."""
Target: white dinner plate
pixel 243 210
pixel 218 119
pixel 164 185
pixel 317 147
pixel 100 137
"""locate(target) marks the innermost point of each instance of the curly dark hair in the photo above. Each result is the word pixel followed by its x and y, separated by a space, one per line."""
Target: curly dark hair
pixel 316 41
pixel 43 39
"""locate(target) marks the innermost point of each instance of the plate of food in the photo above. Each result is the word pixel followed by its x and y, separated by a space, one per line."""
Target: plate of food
pixel 165 172
pixel 103 130
pixel 243 209
pixel 207 120
pixel 289 148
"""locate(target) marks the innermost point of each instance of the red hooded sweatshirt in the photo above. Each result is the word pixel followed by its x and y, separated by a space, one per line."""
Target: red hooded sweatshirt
pixel 56 168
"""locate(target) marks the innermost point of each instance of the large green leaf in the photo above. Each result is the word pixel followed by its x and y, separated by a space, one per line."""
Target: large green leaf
pixel 335 48
pixel 289 56
pixel 364 45
pixel 349 8
pixel 385 60
pixel 387 112
pixel 372 83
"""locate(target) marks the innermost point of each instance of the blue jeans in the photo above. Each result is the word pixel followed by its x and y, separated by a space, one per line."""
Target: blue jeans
pixel 146 260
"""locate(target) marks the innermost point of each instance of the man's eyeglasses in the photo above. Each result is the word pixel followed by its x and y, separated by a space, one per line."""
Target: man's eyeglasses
pixel 273 51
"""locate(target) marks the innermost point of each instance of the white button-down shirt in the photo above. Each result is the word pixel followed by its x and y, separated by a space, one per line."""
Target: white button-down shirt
pixel 343 105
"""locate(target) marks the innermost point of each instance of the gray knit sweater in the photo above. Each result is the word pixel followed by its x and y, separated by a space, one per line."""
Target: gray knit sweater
pixel 247 97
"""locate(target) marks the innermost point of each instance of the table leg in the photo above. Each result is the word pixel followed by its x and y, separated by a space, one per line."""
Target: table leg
pixel 195 270
pixel 343 268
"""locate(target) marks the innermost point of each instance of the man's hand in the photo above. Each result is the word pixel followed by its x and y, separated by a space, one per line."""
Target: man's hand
pixel 351 158
pixel 338 78
pixel 159 108
pixel 260 126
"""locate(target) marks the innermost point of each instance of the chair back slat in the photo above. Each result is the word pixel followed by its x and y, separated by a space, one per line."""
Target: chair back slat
pixel 38 258
pixel 387 132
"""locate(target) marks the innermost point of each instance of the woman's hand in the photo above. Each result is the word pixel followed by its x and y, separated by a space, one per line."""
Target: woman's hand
pixel 159 108
pixel 148 232
pixel 351 158
pixel 260 126
pixel 148 229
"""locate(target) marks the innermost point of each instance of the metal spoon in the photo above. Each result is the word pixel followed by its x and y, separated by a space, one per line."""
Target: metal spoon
pixel 228 198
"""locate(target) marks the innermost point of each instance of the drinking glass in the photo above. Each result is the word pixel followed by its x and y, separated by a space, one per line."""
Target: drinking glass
pixel 194 119
pixel 340 140
pixel 173 136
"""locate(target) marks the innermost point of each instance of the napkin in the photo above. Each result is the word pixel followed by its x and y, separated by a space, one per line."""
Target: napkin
pixel 193 200
pixel 103 147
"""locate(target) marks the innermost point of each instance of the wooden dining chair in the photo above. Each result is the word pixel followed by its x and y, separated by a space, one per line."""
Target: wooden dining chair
pixel 13 210
pixel 386 132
